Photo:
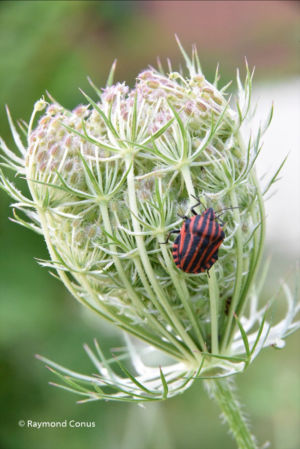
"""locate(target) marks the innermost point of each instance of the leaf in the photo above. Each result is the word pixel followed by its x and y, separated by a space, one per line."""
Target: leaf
pixel 182 130
pixel 185 56
pixel 158 133
pixel 275 176
pixel 133 379
pixel 15 134
pixel 111 74
pixel 259 333
pixel 245 339
pixel 26 224
pixel 196 61
pixel 134 119
pixel 106 120
pixel 164 383
pixel 90 176
pixel 98 91
pixel 225 357
pixel 217 77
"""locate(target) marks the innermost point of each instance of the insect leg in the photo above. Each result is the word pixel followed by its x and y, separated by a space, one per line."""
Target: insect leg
pixel 184 217
pixel 221 222
pixel 195 205
pixel 175 231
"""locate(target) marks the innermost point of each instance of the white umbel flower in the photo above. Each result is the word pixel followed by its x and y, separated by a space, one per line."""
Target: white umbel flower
pixel 107 182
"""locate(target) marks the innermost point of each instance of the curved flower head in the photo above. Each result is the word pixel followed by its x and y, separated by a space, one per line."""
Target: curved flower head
pixel 107 182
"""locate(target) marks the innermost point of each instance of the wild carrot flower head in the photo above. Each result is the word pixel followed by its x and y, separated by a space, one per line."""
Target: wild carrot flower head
pixel 107 182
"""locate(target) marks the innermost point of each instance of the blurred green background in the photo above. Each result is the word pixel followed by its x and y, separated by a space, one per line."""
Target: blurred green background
pixel 54 45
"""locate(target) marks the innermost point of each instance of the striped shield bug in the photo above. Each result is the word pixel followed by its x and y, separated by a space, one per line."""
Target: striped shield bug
pixel 196 247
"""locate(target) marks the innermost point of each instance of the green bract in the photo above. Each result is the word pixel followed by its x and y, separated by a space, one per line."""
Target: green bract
pixel 107 181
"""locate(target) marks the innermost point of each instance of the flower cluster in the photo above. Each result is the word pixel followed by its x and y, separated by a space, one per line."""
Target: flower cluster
pixel 107 182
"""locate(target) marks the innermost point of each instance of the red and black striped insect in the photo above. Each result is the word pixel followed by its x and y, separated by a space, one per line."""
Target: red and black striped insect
pixel 195 249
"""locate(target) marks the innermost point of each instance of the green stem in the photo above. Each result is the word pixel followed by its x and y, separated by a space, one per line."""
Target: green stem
pixel 239 271
pixel 183 294
pixel 105 312
pixel 136 300
pixel 257 250
pixel 162 302
pixel 214 299
pixel 186 174
pixel 258 245
pixel 221 391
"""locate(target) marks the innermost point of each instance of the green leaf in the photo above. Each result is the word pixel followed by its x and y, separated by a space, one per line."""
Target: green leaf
pixel 90 176
pixel 98 91
pixel 15 134
pixel 106 120
pixel 225 357
pixel 275 176
pixel 259 333
pixel 111 74
pixel 182 130
pixel 164 384
pixel 134 379
pixel 185 55
pixel 195 59
pixel 134 119
pixel 86 137
pixel 245 339
pixel 217 77
pixel 68 381
pixel 27 225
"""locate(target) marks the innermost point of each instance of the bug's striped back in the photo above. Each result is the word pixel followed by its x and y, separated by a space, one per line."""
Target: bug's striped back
pixel 196 247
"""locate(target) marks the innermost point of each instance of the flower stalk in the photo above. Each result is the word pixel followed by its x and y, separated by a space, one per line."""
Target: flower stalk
pixel 222 392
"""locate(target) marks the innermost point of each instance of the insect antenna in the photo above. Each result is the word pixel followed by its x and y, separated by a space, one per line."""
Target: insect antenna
pixel 220 212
